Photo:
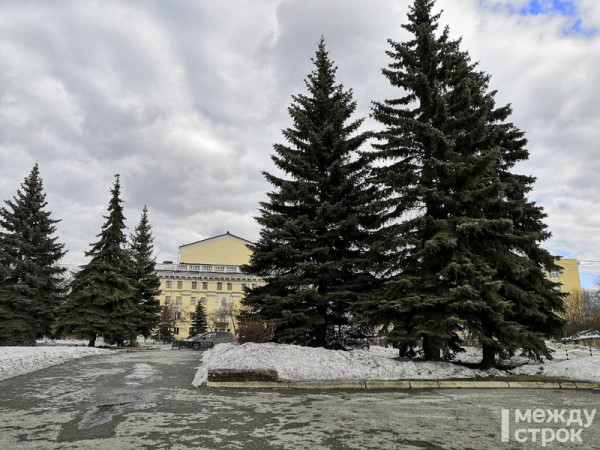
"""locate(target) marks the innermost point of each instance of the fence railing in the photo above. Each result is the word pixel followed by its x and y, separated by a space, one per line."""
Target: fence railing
pixel 199 268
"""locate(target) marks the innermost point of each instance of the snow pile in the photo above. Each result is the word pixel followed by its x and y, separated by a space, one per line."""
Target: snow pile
pixel 584 335
pixel 20 360
pixel 571 362
pixel 296 363
pixel 579 369
pixel 141 341
pixel 65 342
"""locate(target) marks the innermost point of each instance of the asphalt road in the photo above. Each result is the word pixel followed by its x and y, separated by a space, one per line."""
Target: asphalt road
pixel 144 400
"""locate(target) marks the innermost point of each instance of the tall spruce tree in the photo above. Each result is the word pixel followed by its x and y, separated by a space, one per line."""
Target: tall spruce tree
pixel 199 324
pixel 461 247
pixel 30 277
pixel 145 282
pixel 310 248
pixel 100 302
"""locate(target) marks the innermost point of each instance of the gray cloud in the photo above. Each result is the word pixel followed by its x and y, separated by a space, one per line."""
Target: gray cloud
pixel 185 100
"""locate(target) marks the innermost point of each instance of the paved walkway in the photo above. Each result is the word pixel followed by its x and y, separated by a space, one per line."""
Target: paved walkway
pixel 145 400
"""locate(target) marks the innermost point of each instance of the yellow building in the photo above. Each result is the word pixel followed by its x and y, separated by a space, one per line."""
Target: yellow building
pixel 567 275
pixel 207 271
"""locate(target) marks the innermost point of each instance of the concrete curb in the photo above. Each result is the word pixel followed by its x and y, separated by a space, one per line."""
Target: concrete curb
pixel 404 385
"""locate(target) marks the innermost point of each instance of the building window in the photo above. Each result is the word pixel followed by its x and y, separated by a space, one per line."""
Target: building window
pixel 194 285
pixel 176 330
pixel 168 300
pixel 553 275
pixel 204 300
pixel 177 315
pixel 223 303
pixel 205 285
pixel 178 300
pixel 193 300
pixel 192 315
pixel 169 284
pixel 244 286
pixel 253 285
pixel 180 285
pixel 219 286
pixel 229 286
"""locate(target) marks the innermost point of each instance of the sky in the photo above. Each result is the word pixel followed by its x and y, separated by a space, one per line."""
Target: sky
pixel 185 100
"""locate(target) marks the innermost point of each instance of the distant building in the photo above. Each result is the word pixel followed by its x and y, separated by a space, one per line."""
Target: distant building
pixel 567 275
pixel 208 271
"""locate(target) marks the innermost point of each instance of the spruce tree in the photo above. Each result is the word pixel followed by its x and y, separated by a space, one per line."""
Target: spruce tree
pixel 145 282
pixel 100 302
pixel 199 324
pixel 310 249
pixel 30 277
pixel 167 321
pixel 461 248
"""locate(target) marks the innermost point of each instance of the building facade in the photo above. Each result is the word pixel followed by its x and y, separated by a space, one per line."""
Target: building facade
pixel 207 271
pixel 567 275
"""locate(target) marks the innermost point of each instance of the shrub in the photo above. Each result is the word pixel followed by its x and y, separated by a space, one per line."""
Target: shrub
pixel 253 331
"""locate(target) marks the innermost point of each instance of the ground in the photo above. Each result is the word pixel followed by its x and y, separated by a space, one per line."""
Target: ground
pixel 295 363
pixel 145 400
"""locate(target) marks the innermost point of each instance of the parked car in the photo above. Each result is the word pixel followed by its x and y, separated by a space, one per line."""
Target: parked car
pixel 210 339
pixel 205 340
pixel 348 340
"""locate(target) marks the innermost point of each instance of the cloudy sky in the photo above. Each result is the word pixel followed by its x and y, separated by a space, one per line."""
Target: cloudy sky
pixel 185 99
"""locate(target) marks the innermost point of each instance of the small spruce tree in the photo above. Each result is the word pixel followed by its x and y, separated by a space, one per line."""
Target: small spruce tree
pixel 199 324
pixel 144 280
pixel 100 302
pixel 30 277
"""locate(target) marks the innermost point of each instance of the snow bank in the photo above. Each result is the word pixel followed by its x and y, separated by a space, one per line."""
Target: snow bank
pixel 571 362
pixel 580 369
pixel 20 360
pixel 141 341
pixel 295 363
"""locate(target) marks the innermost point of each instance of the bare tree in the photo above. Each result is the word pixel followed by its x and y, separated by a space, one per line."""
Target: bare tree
pixel 254 331
pixel 227 312
pixel 582 311
pixel 591 307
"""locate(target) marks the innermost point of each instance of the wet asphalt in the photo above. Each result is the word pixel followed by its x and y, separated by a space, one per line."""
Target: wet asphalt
pixel 144 400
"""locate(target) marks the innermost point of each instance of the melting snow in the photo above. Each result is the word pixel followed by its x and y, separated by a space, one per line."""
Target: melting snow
pixel 295 363
pixel 20 360
pixel 141 373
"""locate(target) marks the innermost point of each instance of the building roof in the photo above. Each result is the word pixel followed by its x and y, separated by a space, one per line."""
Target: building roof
pixel 218 238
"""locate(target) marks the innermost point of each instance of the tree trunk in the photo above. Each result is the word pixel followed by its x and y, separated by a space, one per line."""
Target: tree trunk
pixel 320 335
pixel 431 349
pixel 92 342
pixel 489 357
pixel 133 341
pixel 403 350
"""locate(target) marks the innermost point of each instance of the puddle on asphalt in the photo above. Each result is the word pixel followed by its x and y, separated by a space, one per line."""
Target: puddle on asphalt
pixel 100 415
